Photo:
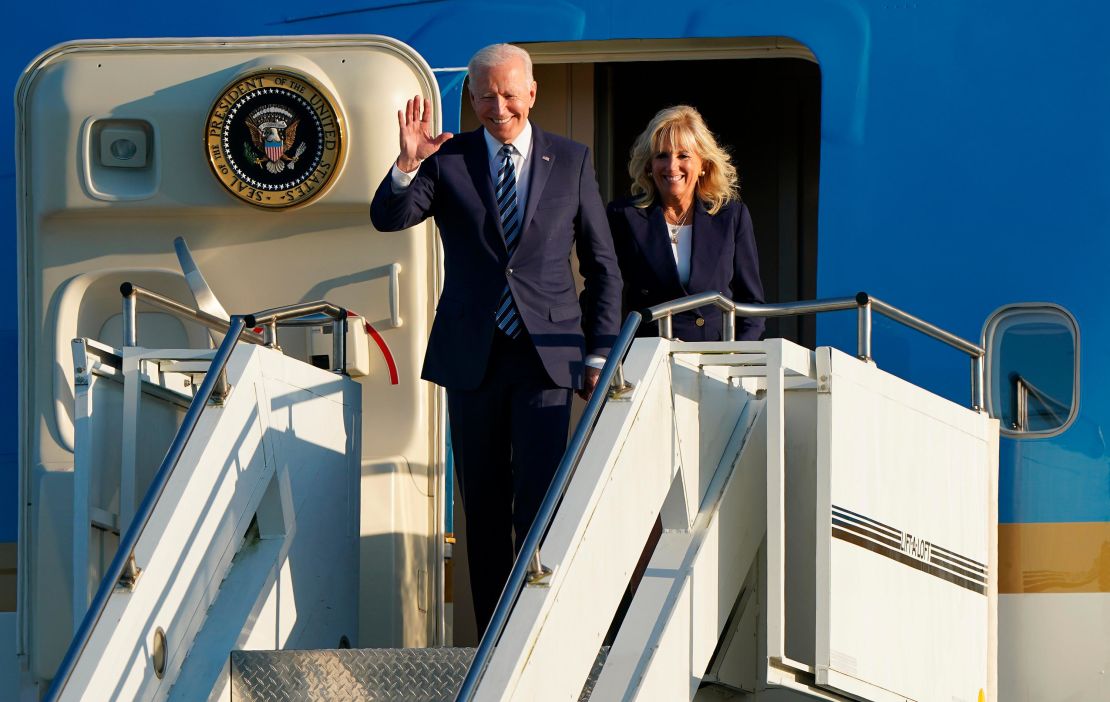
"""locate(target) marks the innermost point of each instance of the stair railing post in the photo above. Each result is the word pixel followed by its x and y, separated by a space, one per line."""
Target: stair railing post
pixel 863 327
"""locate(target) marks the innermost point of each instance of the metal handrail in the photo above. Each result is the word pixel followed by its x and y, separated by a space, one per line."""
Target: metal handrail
pixel 663 312
pixel 270 320
pixel 123 571
pixel 862 302
pixel 133 293
pixel 1023 389
pixel 529 566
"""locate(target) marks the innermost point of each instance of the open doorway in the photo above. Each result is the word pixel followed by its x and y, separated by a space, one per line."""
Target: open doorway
pixel 766 112
pixel 761 97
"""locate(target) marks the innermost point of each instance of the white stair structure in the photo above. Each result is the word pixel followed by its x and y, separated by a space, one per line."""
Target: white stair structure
pixel 828 533
pixel 827 530
pixel 253 541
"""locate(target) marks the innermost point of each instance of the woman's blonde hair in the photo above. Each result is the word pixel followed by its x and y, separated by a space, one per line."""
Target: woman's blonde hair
pixel 683 126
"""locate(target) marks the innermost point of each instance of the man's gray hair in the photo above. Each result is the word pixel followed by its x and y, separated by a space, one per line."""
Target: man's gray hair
pixel 495 55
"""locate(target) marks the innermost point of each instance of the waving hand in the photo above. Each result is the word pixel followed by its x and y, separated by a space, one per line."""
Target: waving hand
pixel 417 142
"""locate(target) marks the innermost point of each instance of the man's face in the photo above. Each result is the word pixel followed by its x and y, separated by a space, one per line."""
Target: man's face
pixel 502 97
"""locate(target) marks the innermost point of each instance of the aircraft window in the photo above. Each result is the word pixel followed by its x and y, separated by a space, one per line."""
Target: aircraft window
pixel 1032 368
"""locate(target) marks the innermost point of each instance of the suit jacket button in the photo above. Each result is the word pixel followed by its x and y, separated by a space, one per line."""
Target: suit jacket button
pixel 643 291
pixel 508 271
pixel 700 321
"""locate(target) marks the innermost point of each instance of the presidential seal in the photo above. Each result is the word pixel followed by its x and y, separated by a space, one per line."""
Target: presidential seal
pixel 274 139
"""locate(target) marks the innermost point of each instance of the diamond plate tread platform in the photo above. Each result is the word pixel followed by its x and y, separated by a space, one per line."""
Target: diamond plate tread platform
pixel 359 675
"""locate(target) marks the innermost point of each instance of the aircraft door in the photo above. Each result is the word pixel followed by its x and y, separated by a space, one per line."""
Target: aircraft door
pixel 263 155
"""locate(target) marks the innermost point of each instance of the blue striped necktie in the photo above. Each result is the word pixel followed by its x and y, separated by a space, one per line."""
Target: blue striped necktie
pixel 507 316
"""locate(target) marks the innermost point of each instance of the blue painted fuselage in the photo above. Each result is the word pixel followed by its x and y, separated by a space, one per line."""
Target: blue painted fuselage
pixel 964 165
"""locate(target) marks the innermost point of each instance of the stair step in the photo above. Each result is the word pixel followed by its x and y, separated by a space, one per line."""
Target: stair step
pixel 359 675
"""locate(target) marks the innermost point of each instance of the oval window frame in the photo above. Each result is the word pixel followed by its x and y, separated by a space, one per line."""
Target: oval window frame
pixel 987 341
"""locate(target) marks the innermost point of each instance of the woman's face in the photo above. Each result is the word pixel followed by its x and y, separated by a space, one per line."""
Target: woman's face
pixel 675 171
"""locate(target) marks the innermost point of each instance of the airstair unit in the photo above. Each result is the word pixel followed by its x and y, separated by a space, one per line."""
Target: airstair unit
pixel 248 532
pixel 827 533
pixel 827 529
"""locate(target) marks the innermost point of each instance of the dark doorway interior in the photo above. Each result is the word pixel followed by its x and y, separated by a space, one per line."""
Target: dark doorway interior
pixel 767 112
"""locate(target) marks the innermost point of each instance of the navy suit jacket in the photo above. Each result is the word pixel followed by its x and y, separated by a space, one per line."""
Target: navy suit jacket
pixel 723 259
pixel 563 209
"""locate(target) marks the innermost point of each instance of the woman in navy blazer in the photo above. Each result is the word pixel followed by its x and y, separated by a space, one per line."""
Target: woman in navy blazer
pixel 685 230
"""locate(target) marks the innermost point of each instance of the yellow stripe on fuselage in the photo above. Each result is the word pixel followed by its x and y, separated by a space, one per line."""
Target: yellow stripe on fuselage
pixel 1054 557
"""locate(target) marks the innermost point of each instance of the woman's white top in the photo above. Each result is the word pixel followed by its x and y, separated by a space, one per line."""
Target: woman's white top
pixel 682 249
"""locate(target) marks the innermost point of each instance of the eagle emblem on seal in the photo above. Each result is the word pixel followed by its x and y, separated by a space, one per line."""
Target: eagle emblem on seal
pixel 273 131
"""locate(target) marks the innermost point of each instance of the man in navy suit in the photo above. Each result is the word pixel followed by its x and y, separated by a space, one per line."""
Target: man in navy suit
pixel 511 338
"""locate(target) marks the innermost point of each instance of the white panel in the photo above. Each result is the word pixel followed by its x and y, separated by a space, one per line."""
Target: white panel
pixel 675 679
pixel 906 477
pixel 1068 634
pixel 702 394
pixel 387 553
pixel 84 460
pixel 776 504
pixel 801 483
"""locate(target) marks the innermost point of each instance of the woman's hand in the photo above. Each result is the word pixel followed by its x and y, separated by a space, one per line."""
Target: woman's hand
pixel 417 143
